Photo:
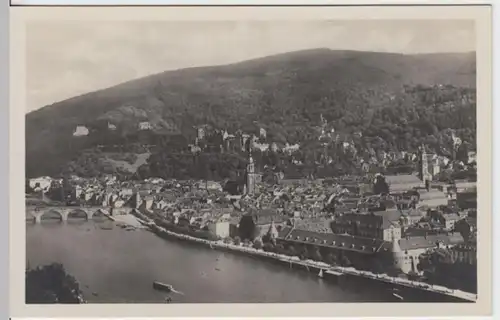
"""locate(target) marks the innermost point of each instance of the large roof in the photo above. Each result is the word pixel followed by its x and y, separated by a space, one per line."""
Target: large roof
pixel 345 242
pixel 402 182
pixel 367 245
pixel 384 219
pixel 402 179
pixel 430 241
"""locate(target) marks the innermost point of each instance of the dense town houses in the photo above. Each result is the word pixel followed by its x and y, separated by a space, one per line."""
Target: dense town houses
pixel 379 223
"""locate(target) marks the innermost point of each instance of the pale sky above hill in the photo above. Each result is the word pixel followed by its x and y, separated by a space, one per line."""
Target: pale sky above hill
pixel 69 58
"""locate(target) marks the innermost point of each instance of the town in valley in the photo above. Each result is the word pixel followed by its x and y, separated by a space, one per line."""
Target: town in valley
pixel 411 215
pixel 250 169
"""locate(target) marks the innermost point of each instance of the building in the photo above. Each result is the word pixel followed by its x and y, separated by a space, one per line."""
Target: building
pixel 146 203
pixel 230 143
pixel 411 217
pixel 402 254
pixel 135 200
pixel 76 192
pixel 250 176
pixel 213 185
pixel 424 172
pixel 263 219
pixel 41 183
pixel 145 125
pixel 401 262
pixel 80 131
pixel 449 220
pixel 359 252
pixel 382 225
pixel 402 182
pixel 465 253
pixel 446 219
pixel 220 226
pixel 111 126
pixel 433 198
pixel 436 166
pixel 465 185
pixel 273 232
pixel 407 251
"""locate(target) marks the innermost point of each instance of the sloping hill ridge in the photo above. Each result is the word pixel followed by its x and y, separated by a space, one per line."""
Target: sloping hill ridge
pixel 236 95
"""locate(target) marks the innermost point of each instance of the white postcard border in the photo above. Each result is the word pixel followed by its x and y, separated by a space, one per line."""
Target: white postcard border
pixel 20 15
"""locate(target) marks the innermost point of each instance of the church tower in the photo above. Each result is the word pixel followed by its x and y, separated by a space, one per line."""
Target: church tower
pixel 250 183
pixel 424 173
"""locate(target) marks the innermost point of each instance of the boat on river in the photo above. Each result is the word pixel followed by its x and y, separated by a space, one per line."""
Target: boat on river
pixel 160 286
pixel 395 294
pixel 320 274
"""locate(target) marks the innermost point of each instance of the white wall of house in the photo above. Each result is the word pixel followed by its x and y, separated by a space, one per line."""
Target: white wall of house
pixel 411 258
pixel 43 182
pixel 388 234
pixel 220 229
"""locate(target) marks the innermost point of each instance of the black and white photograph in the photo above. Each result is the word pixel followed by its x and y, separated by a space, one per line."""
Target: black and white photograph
pixel 251 161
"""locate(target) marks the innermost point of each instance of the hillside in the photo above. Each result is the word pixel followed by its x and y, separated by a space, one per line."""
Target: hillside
pixel 285 94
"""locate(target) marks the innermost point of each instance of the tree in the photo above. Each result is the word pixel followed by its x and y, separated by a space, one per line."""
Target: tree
pixel 268 247
pixel 51 284
pixel 237 240
pixel 304 255
pixel 380 186
pixel 266 238
pixel 440 268
pixel 257 244
pixel 462 152
pixel 389 125
pixel 231 187
pixel 316 255
pixel 330 258
pixel 344 261
pixel 247 227
pixel 280 249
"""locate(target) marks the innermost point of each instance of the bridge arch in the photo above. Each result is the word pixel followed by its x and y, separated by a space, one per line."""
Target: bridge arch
pixel 51 214
pixel 78 214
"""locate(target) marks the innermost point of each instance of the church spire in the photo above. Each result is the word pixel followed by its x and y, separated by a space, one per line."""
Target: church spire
pixel 250 183
pixel 424 174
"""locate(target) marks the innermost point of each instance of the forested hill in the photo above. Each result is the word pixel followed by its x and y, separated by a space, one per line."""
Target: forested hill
pixel 286 94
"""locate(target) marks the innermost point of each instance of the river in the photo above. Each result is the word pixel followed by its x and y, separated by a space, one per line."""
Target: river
pixel 114 265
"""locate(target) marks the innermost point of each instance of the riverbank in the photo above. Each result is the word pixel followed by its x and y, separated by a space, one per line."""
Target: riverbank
pixel 129 220
pixel 322 269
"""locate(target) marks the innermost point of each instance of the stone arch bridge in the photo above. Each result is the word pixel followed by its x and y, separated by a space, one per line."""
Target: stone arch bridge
pixel 64 213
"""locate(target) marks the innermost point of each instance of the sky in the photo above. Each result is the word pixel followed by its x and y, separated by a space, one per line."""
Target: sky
pixel 69 58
